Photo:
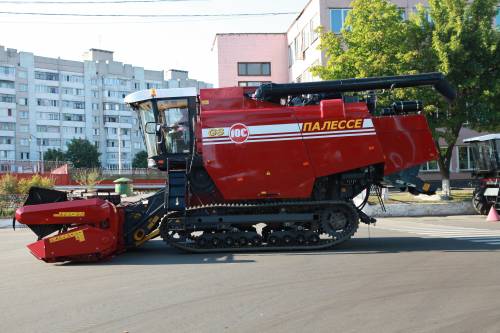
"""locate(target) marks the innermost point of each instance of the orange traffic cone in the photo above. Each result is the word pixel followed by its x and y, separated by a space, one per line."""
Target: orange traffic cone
pixel 493 215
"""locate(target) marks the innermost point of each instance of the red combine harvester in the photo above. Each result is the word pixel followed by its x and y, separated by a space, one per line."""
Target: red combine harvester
pixel 268 168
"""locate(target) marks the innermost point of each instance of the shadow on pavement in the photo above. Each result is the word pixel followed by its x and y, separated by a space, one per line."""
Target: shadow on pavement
pixel 157 253
pixel 403 244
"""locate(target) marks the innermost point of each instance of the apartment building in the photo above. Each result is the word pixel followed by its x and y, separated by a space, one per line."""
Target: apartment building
pixel 303 40
pixel 47 102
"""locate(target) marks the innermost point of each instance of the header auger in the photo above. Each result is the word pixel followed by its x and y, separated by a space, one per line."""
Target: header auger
pixel 272 168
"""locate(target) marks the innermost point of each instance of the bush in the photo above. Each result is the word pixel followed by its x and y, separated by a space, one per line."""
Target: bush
pixel 25 184
pixel 8 184
pixel 88 177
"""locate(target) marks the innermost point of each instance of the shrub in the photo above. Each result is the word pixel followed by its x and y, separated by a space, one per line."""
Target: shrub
pixel 88 177
pixel 8 184
pixel 25 184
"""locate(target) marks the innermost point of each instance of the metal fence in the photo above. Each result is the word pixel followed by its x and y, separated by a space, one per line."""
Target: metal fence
pixel 17 166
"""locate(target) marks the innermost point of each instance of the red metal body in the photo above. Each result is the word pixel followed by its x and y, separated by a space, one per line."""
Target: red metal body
pixel 255 150
pixel 94 229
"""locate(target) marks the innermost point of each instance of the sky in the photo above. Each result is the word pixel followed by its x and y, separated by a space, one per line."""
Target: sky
pixel 153 43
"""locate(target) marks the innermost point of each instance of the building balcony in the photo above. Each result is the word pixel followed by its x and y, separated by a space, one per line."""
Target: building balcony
pixel 118 113
pixel 117 125
pixel 8 91
pixel 4 105
pixel 7 77
pixel 70 123
pixel 8 119
pixel 7 147
pixel 48 122
pixel 46 108
pixel 7 133
pixel 72 111
pixel 47 135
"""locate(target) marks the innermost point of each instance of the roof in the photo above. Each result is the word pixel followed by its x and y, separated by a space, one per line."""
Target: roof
pixel 487 137
pixel 144 95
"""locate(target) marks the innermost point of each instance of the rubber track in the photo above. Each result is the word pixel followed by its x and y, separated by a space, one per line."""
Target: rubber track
pixel 261 248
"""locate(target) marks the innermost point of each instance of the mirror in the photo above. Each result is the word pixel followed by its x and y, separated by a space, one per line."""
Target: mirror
pixel 151 127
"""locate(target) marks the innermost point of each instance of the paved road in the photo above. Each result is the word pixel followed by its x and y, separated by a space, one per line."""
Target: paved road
pixel 411 275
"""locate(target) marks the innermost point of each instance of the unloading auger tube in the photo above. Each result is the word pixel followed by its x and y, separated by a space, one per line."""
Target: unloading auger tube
pixel 437 80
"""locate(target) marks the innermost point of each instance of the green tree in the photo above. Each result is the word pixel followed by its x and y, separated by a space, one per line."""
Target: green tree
pixel 54 155
pixel 83 154
pixel 454 36
pixel 140 160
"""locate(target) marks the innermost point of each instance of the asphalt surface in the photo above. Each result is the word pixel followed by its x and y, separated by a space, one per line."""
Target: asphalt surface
pixel 404 275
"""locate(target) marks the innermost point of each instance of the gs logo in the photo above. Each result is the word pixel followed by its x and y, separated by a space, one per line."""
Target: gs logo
pixel 214 132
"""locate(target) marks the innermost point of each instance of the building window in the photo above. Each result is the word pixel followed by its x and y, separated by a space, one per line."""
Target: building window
pixel 23 114
pixel 22 74
pixel 313 25
pixel 46 89
pixel 24 142
pixel 7 70
pixel 7 98
pixel 25 156
pixel 23 128
pixel 254 68
pixel 497 19
pixel 337 18
pixel 47 102
pixel 6 84
pixel 403 13
pixel 465 159
pixel 47 76
pixel 73 117
pixel 431 166
pixel 251 83
pixel 7 126
pixel 5 140
pixel 73 78
pixel 22 87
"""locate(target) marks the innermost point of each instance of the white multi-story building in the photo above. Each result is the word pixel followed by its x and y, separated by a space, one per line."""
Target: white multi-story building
pixel 47 102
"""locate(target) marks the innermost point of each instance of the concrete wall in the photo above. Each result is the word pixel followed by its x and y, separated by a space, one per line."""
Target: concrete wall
pixel 234 48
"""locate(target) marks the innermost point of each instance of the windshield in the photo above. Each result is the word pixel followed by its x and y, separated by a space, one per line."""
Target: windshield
pixel 146 115
pixel 486 155
pixel 174 118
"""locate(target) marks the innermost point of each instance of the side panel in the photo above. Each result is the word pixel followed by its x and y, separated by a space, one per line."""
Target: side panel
pixel 256 154
pixel 341 139
pixel 406 141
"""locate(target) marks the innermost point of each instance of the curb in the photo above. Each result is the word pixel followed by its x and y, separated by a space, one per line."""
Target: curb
pixel 421 209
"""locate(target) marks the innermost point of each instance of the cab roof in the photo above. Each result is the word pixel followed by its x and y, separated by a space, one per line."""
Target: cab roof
pixel 147 94
pixel 481 138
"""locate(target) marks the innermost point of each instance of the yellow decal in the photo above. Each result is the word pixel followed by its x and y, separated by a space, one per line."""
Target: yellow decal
pixel 205 102
pixel 332 125
pixel 214 132
pixel 426 187
pixel 69 214
pixel 77 235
